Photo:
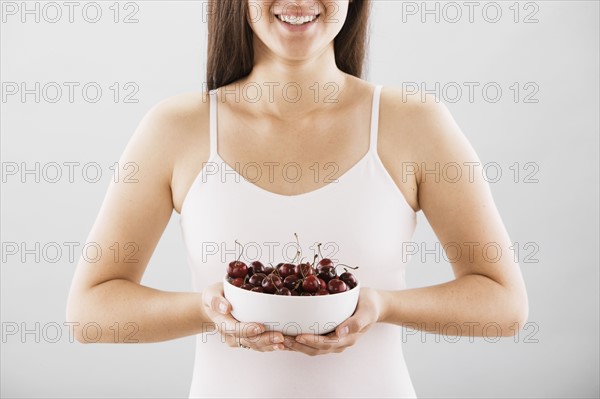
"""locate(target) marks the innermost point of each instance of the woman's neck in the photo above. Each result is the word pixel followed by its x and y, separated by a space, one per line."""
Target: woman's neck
pixel 289 90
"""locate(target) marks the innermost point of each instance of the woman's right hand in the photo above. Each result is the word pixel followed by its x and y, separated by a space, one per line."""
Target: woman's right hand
pixel 234 332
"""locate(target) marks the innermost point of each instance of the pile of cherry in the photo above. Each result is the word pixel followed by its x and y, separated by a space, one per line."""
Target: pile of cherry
pixel 303 279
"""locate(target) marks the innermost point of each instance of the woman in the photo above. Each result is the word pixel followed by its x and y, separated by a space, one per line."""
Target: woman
pixel 285 78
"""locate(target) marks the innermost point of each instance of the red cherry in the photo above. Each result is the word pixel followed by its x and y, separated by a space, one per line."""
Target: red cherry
pixel 268 270
pixel 311 284
pixel 295 293
pixel 257 279
pixel 327 273
pixel 237 269
pixel 322 292
pixel 306 294
pixel 349 279
pixel 335 286
pixel 257 289
pixel 283 291
pixel 247 286
pixel 272 283
pixel 323 284
pixel 303 270
pixel 238 282
pixel 324 262
pixel 291 282
pixel 286 269
pixel 257 267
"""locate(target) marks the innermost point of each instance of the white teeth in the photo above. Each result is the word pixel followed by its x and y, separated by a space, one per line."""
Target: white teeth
pixel 294 20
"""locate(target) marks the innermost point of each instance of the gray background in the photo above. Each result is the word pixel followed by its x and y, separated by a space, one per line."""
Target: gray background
pixel 554 221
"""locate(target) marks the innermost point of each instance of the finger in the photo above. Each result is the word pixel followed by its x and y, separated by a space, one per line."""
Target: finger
pixel 265 342
pixel 267 338
pixel 226 324
pixel 353 325
pixel 292 344
pixel 326 342
pixel 214 299
pixel 219 310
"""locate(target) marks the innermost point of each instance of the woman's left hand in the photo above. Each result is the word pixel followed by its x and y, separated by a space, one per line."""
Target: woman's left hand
pixel 368 312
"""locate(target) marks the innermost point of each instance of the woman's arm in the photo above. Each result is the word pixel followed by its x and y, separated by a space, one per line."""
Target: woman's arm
pixel 131 220
pixel 488 290
pixel 488 287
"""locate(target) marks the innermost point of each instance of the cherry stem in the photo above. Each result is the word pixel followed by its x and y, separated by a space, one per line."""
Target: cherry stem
pixel 342 264
pixel 241 252
pixel 299 248
pixel 319 249
pixel 314 260
pixel 297 255
pixel 302 271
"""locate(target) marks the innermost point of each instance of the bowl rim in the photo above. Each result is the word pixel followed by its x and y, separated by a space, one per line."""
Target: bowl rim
pixel 291 296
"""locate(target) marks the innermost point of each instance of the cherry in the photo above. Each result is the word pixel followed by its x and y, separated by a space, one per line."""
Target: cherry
pixel 327 273
pixel 349 279
pixel 322 292
pixel 323 284
pixel 237 269
pixel 323 261
pixel 272 283
pixel 247 286
pixel 283 291
pixel 295 293
pixel 311 284
pixel 335 286
pixel 268 270
pixel 257 267
pixel 257 289
pixel 291 282
pixel 306 294
pixel 286 269
pixel 304 269
pixel 238 282
pixel 257 279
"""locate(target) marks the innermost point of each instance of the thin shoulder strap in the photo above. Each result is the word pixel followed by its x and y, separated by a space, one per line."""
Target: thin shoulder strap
pixel 375 118
pixel 213 121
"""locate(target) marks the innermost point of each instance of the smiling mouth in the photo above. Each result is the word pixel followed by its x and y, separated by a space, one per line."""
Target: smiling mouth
pixel 297 20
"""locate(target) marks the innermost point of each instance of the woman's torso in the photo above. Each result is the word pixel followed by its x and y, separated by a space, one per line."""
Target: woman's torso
pixel 362 219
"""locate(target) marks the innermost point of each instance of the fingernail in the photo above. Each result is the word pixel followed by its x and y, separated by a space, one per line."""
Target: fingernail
pixel 276 347
pixel 277 340
pixel 344 331
pixel 222 308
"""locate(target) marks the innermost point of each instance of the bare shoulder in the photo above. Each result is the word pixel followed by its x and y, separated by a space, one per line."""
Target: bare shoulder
pixel 174 136
pixel 416 133
pixel 173 117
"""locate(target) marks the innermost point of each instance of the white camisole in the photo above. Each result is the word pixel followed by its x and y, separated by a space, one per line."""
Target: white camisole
pixel 362 219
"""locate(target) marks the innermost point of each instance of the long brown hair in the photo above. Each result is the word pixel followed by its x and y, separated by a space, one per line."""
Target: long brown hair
pixel 230 41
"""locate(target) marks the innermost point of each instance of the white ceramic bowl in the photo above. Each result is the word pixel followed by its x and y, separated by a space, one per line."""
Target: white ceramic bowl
pixel 291 315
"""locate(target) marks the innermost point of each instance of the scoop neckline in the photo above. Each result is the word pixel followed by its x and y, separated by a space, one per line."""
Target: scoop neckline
pixel 316 191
